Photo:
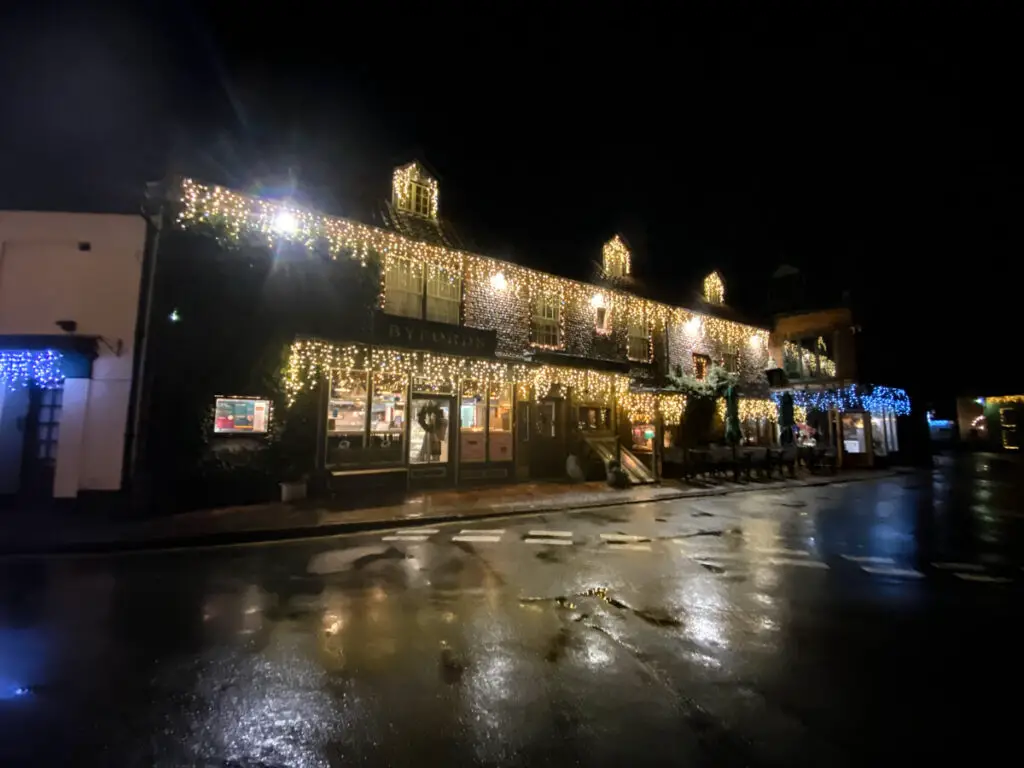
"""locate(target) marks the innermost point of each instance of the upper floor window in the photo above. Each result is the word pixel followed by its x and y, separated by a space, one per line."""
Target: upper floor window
pixel 701 364
pixel 403 288
pixel 731 362
pixel 444 294
pixel 420 199
pixel 407 293
pixel 546 321
pixel 615 258
pixel 639 347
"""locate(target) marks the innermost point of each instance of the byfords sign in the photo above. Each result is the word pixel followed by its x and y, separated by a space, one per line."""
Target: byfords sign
pixel 392 331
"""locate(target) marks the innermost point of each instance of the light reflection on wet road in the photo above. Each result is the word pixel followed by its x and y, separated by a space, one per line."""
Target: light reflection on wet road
pixel 740 630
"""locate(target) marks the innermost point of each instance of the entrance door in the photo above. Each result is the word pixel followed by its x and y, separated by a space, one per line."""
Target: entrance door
pixel 540 438
pixel 430 433
pixel 42 431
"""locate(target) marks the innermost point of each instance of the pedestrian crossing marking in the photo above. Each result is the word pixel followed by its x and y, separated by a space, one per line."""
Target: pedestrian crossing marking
pixel 629 547
pixel 802 563
pixel 959 567
pixel 555 542
pixel 902 572
pixel 623 537
pixel 565 534
pixel 983 577
pixel 404 538
pixel 482 531
pixel 478 539
pixel 869 559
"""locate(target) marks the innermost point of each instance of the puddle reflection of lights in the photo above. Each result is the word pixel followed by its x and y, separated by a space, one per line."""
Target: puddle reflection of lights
pixel 332 623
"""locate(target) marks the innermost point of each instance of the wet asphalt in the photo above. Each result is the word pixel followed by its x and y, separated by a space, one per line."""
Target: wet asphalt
pixel 868 622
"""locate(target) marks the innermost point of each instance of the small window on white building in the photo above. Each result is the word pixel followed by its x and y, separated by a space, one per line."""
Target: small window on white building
pixel 639 347
pixel 546 329
pixel 444 293
pixel 403 288
pixel 420 199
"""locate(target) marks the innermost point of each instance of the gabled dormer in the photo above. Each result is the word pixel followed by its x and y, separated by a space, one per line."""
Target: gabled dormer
pixel 714 289
pixel 414 191
pixel 616 259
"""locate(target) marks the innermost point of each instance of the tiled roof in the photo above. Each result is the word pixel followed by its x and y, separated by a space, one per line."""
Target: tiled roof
pixel 419 228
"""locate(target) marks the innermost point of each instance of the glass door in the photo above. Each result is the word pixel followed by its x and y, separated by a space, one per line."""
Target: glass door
pixel 429 430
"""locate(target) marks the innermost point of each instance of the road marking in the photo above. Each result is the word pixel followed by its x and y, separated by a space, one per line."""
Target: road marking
pixel 404 538
pixel 804 563
pixel 478 539
pixel 556 542
pixel 908 572
pixel 787 552
pixel 424 530
pixel 984 578
pixel 866 559
pixel 566 534
pixel 482 532
pixel 959 567
pixel 623 537
pixel 630 547
pixel 720 556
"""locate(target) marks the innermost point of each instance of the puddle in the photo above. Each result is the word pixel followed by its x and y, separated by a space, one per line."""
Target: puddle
pixel 391 553
pixel 452 668
pixel 557 647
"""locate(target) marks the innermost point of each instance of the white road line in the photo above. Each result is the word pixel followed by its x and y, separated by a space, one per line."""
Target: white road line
pixel 720 556
pixel 478 539
pixel 482 531
pixel 555 542
pixel 623 537
pixel 785 552
pixel 908 572
pixel 414 531
pixel 404 538
pixel 803 563
pixel 959 567
pixel 565 534
pixel 984 578
pixel 629 547
pixel 866 559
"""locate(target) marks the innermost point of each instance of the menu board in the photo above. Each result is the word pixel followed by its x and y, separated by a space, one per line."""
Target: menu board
pixel 241 415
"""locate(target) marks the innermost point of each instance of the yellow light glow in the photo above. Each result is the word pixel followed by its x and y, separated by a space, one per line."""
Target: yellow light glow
pixel 714 289
pixel 616 258
pixel 498 281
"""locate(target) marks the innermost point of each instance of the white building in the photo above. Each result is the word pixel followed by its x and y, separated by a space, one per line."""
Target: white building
pixel 69 299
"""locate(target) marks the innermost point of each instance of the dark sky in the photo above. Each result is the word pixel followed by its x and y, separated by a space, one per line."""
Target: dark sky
pixel 874 146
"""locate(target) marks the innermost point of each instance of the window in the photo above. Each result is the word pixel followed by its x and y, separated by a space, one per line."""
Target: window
pixel 387 418
pixel 403 288
pixel 731 362
pixel 428 430
pixel 420 199
pixel 701 363
pixel 601 321
pixel 546 331
pixel 593 418
pixel 639 348
pixel 346 418
pixel 472 423
pixel 48 426
pixel 499 423
pixel 444 294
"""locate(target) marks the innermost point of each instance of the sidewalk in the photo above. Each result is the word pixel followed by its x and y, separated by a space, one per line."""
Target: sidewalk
pixel 41 533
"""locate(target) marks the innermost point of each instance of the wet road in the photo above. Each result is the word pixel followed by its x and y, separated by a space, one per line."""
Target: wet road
pixel 837 625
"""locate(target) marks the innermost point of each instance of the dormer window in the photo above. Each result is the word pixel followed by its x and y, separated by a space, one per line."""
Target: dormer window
pixel 615 258
pixel 414 191
pixel 420 199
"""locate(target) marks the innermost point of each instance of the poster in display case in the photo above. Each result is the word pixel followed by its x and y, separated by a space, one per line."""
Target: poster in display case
pixel 241 416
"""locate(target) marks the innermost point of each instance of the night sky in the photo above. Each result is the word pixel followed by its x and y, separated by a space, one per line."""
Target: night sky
pixel 877 150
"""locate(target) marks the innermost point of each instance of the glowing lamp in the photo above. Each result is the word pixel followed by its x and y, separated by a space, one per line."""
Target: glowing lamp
pixel 755 342
pixel 597 300
pixel 285 223
pixel 498 281
pixel 693 326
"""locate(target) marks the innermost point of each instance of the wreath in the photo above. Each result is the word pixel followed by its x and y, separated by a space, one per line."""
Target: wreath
pixel 430 418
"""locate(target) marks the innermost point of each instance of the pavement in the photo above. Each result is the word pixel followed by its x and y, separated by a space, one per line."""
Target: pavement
pixel 34 532
pixel 847 624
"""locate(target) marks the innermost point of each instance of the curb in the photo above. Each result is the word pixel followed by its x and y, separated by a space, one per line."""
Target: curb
pixel 270 535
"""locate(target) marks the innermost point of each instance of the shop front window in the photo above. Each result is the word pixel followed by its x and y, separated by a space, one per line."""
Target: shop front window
pixel 643 437
pixel 499 423
pixel 387 419
pixel 346 418
pixel 878 436
pixel 472 423
pixel 592 418
pixel 428 430
pixel 854 438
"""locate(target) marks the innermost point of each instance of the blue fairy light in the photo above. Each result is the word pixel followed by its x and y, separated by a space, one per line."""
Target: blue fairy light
pixel 20 368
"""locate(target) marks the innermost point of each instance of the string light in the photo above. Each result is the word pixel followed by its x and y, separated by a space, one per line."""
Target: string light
pixel 714 289
pixel 854 397
pixel 1004 399
pixel 240 217
pixel 750 409
pixel 615 258
pixel 401 186
pixel 20 368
